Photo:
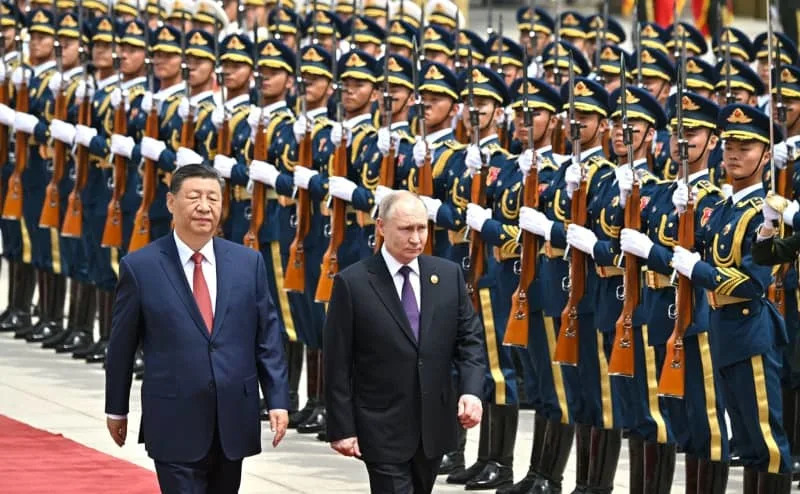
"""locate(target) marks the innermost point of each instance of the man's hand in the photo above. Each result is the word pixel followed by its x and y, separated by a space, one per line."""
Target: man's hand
pixel 278 422
pixel 470 411
pixel 118 428
pixel 347 447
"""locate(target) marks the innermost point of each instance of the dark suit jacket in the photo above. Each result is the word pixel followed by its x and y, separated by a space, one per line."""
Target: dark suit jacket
pixel 195 381
pixel 776 250
pixel 381 385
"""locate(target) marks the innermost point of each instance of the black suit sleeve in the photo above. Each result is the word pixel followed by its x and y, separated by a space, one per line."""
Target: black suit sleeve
pixel 470 353
pixel 126 331
pixel 338 362
pixel 272 369
pixel 776 250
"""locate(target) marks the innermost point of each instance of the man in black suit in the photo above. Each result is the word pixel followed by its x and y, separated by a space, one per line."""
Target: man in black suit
pixel 397 324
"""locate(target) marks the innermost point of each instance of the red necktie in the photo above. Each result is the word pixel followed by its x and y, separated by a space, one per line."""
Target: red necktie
pixel 201 295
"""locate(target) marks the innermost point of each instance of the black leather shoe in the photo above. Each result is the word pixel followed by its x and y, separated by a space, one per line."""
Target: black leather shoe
pixel 57 338
pixel 23 331
pixel 315 422
pixel 47 330
pixel 452 462
pixel 15 321
pixel 524 486
pixel 75 340
pixel 322 436
pixel 302 415
pixel 98 353
pixel 493 476
pixel 463 476
pixel 83 352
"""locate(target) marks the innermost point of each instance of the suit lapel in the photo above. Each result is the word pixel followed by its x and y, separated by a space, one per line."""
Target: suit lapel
pixel 382 283
pixel 223 264
pixel 428 284
pixel 171 264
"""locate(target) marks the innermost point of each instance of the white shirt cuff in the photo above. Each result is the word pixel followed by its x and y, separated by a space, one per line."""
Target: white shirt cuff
pixel 116 417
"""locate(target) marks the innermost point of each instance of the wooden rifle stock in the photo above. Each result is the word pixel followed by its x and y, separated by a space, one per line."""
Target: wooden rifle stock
pixel 386 178
pixel 621 362
pixel 330 260
pixel 426 189
pixel 187 131
pixel 559 138
pixel 112 232
pixel 477 249
pixel 295 275
pixel 517 327
pixel 12 206
pixel 259 198
pixel 673 373
pixel 141 223
pixel 462 135
pixel 73 219
pixel 224 148
pixel 51 209
pixel 567 343
pixel 4 99
pixel 776 292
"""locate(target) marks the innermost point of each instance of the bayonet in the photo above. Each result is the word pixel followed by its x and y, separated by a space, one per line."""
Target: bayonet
pixel 557 46
pixel 637 44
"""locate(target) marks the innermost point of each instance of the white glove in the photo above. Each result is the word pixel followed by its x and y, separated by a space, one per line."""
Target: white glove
pixel 299 128
pixel 147 102
pixel 432 205
pixel 477 216
pixel 184 108
pixel 25 122
pixel 253 117
pixel 381 193
pixel 384 140
pixel 224 165
pixel 55 82
pixel 727 190
pixel 2 72
pixel 152 148
pixel 473 159
pixel 683 261
pixel 263 172
pixel 420 148
pixel 84 90
pixel 789 212
pixel 624 176
pixel 572 177
pixel 62 131
pixel 303 175
pixel 770 215
pixel 84 135
pixel 680 198
pixel 117 97
pixel 534 221
pixel 122 145
pixel 19 76
pixel 342 188
pixel 218 116
pixel 581 238
pixel 780 154
pixel 185 156
pixel 635 242
pixel 336 133
pixel 525 161
pixel 7 115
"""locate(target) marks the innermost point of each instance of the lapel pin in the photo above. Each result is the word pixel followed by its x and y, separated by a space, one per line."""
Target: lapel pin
pixel 434 279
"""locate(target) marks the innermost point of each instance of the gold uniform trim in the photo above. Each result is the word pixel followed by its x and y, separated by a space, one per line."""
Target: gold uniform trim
pixel 491 347
pixel 652 387
pixel 55 250
pixel 760 382
pixel 605 384
pixel 26 242
pixel 115 260
pixel 555 367
pixel 711 397
pixel 283 299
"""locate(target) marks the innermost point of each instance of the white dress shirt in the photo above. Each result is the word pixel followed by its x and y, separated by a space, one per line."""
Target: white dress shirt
pixel 208 265
pixel 394 269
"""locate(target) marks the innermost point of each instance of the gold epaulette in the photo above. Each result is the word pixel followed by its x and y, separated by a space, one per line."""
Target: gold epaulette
pixel 454 145
pixel 755 203
pixel 704 188
pixel 497 148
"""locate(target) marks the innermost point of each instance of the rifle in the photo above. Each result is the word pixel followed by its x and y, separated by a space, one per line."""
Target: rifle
pixel 73 219
pixel 330 260
pixel 621 362
pixel 600 41
pixel 673 372
pixel 388 163
pixel 502 127
pixel 294 277
pixel 476 263
pixel 567 344
pixel 517 327
pixel 425 179
pixel 140 236
pixel 559 138
pixel 259 197
pixel 187 128
pixel 12 206
pixel 4 99
pixel 112 232
pixel 461 127
pixel 224 132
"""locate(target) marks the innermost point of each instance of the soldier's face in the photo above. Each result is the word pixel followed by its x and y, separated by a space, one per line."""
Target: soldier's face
pixel 131 59
pixel 701 141
pixel 438 108
pixel 592 126
pixel 200 70
pixel 762 68
pixel 612 82
pixel 739 96
pixel 101 55
pixel 642 135
pixel 275 82
pixel 542 119
pixel 289 40
pixel 318 89
pixel 792 106
pixel 369 48
pixel 166 65
pixel 742 159
pixel 41 46
pixel 356 94
pixel 438 56
pixel 69 51
pixel 236 74
pixel 400 97
pixel 488 111
pixel 400 50
pixel 656 86
pixel 511 73
pixel 8 37
pixel 204 26
pixel 327 42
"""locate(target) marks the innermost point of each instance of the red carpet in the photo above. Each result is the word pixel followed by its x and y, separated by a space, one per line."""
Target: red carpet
pixel 36 461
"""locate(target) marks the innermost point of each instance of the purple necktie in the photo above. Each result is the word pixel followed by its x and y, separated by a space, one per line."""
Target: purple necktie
pixel 410 302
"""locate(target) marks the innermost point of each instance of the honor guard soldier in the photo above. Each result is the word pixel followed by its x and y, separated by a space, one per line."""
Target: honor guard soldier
pixel 400 38
pixel 573 29
pixel 344 9
pixel 359 74
pixel 315 68
pixel 745 85
pixel 704 437
pixel 493 467
pixel 444 14
pixel 543 26
pixel 547 385
pixel 408 12
pixel 657 75
pixel 282 24
pixel 367 35
pixel 700 77
pixel 35 125
pixel 613 35
pixel 326 28
pixel 125 11
pixel 654 36
pixel 156 12
pixel 746 331
pixel 735 42
pixel 180 15
pixel 609 66
pixel 505 56
pixel 784 47
pixel 73 261
pixel 438 46
pixel 695 41
pixel 597 414
pixel 467 40
pixel 210 17
pixel 22 280
pixel 555 62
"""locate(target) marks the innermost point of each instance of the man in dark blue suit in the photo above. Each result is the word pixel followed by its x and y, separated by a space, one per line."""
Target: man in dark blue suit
pixel 200 307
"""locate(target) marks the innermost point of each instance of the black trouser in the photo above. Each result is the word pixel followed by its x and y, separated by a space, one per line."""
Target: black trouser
pixel 415 476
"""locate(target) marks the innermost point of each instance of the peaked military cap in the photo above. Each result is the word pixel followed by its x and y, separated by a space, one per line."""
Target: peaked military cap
pixel 181 9
pixel 697 111
pixel 11 15
pixel 323 23
pixel 789 79
pixel 401 33
pixel 611 59
pixel 357 64
pixel 539 19
pixel 200 44
pixel 559 56
pixel 654 64
pixel 437 78
pixel 699 74
pixel 573 25
pixel 103 29
pixel 540 95
pixel 695 41
pixel 467 38
pixel 68 27
pixel 486 82
pixel 273 53
pixel 654 36
pixel 615 33
pixel 788 49
pixel 167 39
pixel 741 75
pixel 314 59
pixel 282 20
pixel 746 123
pixel 511 53
pixel 740 44
pixel 365 30
pixel 41 21
pixel 237 48
pixel 590 96
pixel 133 33
pixel 400 71
pixel 641 105
pixel 436 38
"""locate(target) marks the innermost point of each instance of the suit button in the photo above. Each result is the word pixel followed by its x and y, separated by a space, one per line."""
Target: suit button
pixel 211 385
pixel 745 311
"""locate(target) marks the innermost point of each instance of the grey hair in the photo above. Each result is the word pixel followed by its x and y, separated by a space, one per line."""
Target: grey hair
pixel 387 205
pixel 194 171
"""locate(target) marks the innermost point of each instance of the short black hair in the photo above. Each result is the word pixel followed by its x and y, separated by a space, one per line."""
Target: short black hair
pixel 193 171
